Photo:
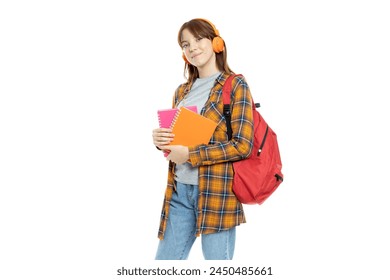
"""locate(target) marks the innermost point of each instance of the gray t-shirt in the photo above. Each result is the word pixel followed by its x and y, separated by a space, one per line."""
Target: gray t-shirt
pixel 198 96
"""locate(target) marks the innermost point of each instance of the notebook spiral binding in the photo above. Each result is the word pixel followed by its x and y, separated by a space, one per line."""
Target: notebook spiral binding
pixel 175 118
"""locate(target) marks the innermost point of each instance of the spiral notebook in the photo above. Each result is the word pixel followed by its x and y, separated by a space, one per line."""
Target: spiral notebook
pixel 165 116
pixel 191 128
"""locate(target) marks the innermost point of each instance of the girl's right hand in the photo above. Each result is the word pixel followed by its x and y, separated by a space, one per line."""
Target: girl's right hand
pixel 162 136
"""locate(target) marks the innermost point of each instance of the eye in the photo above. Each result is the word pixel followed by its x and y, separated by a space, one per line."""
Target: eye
pixel 198 39
pixel 184 45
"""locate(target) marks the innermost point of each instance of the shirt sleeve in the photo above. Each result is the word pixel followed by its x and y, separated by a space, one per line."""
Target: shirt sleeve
pixel 240 146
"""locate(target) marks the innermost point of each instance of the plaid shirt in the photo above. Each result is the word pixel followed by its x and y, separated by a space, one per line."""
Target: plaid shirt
pixel 218 207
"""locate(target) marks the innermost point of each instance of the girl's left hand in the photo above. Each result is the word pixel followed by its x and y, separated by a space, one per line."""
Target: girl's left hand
pixel 177 153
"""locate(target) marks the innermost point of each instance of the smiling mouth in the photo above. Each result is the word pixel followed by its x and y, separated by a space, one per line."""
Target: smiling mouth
pixel 196 55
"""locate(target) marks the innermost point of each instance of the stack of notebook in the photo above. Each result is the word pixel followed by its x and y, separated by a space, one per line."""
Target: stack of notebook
pixel 189 127
pixel 166 116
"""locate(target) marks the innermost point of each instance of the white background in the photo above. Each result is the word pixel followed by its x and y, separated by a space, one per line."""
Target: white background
pixel 82 184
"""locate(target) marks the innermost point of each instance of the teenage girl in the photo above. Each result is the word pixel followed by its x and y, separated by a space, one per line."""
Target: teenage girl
pixel 199 200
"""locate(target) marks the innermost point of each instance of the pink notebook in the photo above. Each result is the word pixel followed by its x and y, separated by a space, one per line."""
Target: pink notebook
pixel 166 116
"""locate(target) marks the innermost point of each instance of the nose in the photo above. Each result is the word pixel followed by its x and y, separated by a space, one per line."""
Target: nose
pixel 193 46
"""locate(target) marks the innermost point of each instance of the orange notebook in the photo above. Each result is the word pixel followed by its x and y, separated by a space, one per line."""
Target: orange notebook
pixel 191 128
pixel 166 116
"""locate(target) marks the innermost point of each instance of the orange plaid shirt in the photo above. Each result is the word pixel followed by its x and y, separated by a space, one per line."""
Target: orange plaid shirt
pixel 218 207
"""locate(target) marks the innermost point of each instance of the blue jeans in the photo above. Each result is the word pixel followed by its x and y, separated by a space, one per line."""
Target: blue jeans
pixel 181 226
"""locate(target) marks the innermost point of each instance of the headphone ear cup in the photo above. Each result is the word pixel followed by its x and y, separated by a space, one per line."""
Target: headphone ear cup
pixel 185 59
pixel 218 44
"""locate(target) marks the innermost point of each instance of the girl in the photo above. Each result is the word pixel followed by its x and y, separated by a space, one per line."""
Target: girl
pixel 199 200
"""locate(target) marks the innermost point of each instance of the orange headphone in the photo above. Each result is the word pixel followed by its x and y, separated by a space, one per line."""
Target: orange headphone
pixel 218 43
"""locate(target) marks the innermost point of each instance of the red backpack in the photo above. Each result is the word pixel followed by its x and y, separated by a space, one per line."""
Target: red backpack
pixel 258 176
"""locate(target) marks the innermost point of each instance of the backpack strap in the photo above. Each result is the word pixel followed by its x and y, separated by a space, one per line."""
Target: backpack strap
pixel 226 94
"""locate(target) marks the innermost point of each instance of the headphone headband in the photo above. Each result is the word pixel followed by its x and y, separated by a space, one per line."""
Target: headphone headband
pixel 212 25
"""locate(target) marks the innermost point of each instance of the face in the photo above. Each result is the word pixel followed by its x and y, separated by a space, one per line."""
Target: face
pixel 198 51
